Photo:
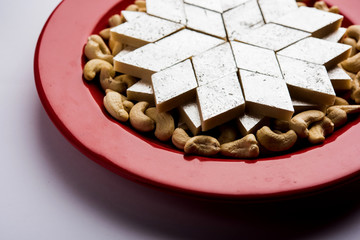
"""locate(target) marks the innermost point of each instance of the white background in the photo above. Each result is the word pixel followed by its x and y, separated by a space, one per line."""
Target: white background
pixel 49 190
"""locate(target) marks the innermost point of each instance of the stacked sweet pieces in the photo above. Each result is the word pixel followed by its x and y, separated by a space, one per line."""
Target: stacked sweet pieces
pixel 233 65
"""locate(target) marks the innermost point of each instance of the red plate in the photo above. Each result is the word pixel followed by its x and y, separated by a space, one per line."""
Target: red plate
pixel 76 109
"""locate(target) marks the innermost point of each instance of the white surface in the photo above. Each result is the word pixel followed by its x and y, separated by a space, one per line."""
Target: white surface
pixel 49 190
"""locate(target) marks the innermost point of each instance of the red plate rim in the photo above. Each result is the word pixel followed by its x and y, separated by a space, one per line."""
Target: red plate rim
pixel 75 108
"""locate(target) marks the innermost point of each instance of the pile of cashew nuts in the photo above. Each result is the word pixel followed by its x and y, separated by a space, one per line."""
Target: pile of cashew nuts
pixel 312 125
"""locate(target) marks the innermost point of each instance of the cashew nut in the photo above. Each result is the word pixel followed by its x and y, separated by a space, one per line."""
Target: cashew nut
pixel 164 122
pixel 352 64
pixel 349 109
pixel 281 125
pixel 321 5
pixel 300 122
pixel 202 145
pixel 96 48
pixel 115 20
pixel 354 32
pixel 132 7
pixel 355 90
pixel 337 116
pixel 115 46
pixel 118 84
pixel 352 42
pixel 179 138
pixel 139 120
pixel 140 3
pixel 320 130
pixel 340 101
pixel 276 141
pixel 246 147
pixel 94 66
pixel 105 33
pixel 113 104
pixel 228 133
pixel 126 103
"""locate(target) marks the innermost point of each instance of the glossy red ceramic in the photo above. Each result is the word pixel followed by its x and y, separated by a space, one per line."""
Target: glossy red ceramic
pixel 76 109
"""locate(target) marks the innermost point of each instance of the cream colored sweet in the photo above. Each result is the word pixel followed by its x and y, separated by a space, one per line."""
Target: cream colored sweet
pixel 190 115
pixel 317 51
pixel 143 30
pixel 214 5
pixel 272 36
pixel 274 9
pixel 259 94
pixel 241 19
pixel 131 15
pixel 307 81
pixel 141 91
pixel 214 64
pixel 335 36
pixel 220 101
pixel 340 79
pixel 145 61
pixel 300 106
pixel 172 10
pixel 174 86
pixel 318 23
pixel 205 21
pixel 250 123
pixel 187 43
pixel 256 59
pixel 125 51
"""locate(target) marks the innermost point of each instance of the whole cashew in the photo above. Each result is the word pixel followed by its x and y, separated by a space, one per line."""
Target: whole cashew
pixel 340 101
pixel 246 147
pixel 118 84
pixel 321 5
pixel 352 42
pixel 320 130
pixel 355 90
pixel 275 141
pixel 202 145
pixel 354 32
pixel 337 116
pixel 352 64
pixel 132 7
pixel 96 48
pixel 300 122
pixel 179 138
pixel 95 66
pixel 140 3
pixel 281 125
pixel 115 20
pixel 128 105
pixel 105 33
pixel 228 133
pixel 164 122
pixel 113 104
pixel 139 120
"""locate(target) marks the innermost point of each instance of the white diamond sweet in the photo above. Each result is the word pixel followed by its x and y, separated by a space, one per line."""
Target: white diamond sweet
pixel 234 55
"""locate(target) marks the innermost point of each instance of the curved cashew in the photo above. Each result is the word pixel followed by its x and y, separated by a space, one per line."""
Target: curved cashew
pixel 164 122
pixel 179 138
pixel 132 7
pixel 105 33
pixel 276 142
pixel 321 5
pixel 228 133
pixel 281 125
pixel 340 101
pixel 352 64
pixel 246 147
pixel 300 122
pixel 352 42
pixel 349 109
pixel 355 90
pixel 354 32
pixel 140 3
pixel 118 84
pixel 126 103
pixel 95 66
pixel 115 20
pixel 96 48
pixel 113 104
pixel 139 120
pixel 320 130
pixel 202 145
pixel 337 116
